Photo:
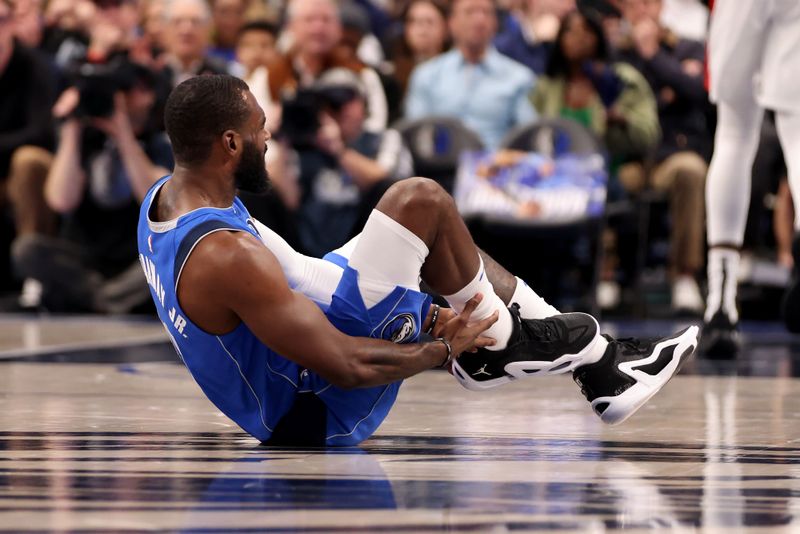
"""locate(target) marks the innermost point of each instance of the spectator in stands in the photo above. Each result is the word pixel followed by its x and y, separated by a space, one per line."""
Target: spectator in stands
pixel 347 168
pixel 28 22
pixel 113 28
pixel 531 30
pixel 357 34
pixel 78 30
pixel 360 46
pixel 674 69
pixel 27 91
pixel 255 49
pixel 187 28
pixel 770 200
pixel 611 99
pixel 153 24
pixel 687 18
pixel 473 82
pixel 783 224
pixel 228 18
pixel 315 30
pixel 67 26
pixel 100 173
pixel 425 35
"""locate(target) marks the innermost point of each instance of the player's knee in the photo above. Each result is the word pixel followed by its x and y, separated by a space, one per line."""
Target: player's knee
pixel 422 195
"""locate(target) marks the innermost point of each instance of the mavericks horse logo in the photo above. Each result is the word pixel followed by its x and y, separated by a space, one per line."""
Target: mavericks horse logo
pixel 399 329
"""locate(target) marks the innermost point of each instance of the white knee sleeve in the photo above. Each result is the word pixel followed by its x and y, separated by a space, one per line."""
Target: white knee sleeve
pixel 386 255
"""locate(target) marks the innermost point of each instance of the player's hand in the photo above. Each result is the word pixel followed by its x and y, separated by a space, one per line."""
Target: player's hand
pixel 445 314
pixel 464 334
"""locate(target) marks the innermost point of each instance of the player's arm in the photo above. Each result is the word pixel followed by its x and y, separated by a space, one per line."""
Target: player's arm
pixel 230 276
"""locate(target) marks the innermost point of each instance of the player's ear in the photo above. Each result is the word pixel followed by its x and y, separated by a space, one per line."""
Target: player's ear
pixel 231 142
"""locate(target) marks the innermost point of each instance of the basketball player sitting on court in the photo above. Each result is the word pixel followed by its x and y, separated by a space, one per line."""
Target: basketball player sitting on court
pixel 300 350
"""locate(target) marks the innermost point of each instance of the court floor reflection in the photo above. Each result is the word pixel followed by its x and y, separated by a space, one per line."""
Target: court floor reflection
pixel 134 446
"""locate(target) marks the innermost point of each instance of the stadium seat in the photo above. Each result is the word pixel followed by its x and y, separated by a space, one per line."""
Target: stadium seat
pixel 553 137
pixel 436 143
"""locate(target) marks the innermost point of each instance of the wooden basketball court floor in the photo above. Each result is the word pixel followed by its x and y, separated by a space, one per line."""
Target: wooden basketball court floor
pixel 102 430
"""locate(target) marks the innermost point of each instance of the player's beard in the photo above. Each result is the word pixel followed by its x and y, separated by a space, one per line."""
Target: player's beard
pixel 251 173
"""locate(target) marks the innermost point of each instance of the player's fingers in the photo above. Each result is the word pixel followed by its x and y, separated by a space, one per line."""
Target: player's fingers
pixel 485 323
pixel 483 341
pixel 470 306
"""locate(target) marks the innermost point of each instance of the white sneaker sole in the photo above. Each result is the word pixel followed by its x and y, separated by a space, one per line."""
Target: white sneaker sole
pixel 522 369
pixel 624 405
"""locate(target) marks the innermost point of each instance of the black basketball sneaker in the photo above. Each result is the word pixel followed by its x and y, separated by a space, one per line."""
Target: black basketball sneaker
pixel 720 339
pixel 631 371
pixel 554 345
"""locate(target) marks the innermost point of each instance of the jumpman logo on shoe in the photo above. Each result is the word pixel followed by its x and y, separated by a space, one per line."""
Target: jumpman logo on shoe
pixel 482 371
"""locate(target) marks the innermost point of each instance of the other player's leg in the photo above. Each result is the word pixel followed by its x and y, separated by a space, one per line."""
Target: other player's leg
pixel 735 52
pixel 727 201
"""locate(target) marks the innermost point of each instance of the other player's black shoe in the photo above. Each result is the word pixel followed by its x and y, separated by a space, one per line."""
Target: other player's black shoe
pixel 631 371
pixel 720 340
pixel 554 345
pixel 791 300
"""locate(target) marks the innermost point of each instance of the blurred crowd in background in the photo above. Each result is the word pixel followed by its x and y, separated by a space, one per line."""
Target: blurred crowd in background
pixel 83 85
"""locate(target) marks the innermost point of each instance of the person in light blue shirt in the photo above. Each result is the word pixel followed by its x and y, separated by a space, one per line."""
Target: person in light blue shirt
pixel 473 82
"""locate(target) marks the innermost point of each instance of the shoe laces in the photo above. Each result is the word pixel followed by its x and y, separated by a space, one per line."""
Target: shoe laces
pixel 633 345
pixel 541 329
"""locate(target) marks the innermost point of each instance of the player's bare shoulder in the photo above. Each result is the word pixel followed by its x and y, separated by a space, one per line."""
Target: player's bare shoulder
pixel 225 270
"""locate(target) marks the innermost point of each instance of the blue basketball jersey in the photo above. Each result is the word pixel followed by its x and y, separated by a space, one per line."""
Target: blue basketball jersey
pixel 252 385
pixel 247 381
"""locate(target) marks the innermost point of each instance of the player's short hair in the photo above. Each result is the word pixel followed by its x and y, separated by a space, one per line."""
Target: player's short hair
pixel 199 110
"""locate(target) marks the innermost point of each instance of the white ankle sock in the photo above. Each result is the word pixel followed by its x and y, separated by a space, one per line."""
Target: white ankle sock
pixel 501 330
pixel 723 272
pixel 531 305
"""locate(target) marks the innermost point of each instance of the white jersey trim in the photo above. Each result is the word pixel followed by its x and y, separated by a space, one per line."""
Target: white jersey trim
pixel 180 271
pixel 363 418
pixel 258 401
